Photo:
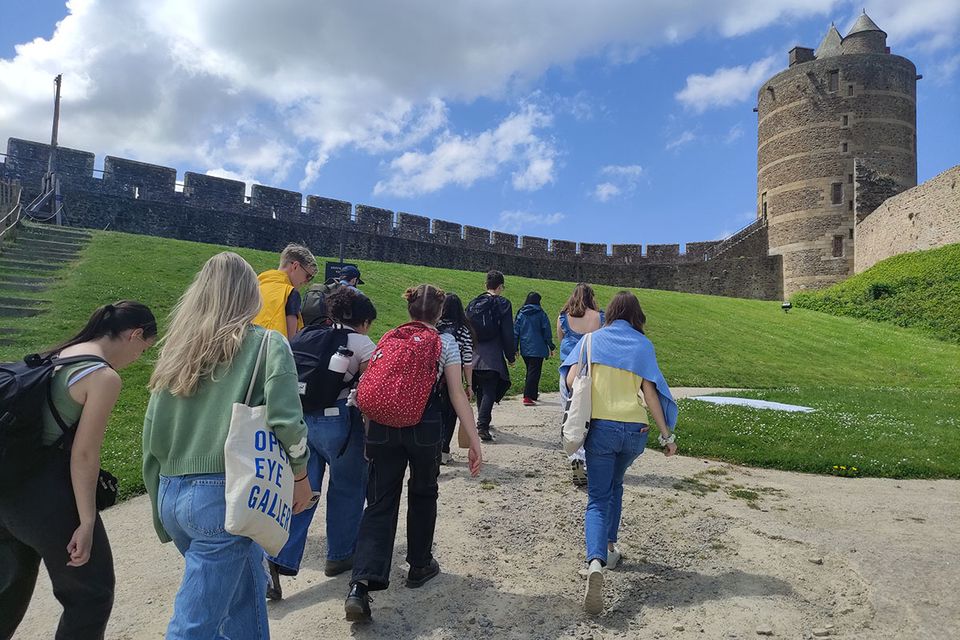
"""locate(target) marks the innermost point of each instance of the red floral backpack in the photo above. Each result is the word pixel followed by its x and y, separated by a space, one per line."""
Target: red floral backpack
pixel 401 376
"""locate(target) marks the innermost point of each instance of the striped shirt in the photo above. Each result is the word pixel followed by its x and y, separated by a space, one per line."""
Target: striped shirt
pixel 463 337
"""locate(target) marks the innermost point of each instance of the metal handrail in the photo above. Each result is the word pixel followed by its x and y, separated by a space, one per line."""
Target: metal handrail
pixel 15 211
pixel 734 239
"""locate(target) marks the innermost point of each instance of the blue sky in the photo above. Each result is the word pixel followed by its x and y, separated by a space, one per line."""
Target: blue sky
pixel 614 122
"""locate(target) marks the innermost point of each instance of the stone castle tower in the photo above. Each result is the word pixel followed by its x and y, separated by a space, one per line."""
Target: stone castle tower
pixel 850 100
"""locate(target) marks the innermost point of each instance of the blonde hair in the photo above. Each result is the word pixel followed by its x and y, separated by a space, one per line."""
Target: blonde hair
pixel 580 300
pixel 208 324
pixel 297 253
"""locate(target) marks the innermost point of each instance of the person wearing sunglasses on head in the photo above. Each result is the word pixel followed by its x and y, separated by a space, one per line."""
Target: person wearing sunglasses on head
pixel 280 290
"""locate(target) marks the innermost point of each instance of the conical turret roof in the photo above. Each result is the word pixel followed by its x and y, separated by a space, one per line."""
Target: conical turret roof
pixel 830 45
pixel 864 23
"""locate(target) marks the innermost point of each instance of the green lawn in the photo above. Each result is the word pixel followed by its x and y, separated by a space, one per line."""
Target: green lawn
pixel 701 341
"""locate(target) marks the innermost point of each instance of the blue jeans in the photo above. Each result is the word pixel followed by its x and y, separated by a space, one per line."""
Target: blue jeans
pixel 223 593
pixel 611 448
pixel 326 436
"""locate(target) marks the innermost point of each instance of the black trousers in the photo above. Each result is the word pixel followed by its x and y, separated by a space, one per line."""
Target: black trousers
pixel 389 451
pixel 449 417
pixel 531 385
pixel 485 385
pixel 37 521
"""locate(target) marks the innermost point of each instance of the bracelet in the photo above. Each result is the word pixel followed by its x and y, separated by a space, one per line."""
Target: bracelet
pixel 665 441
pixel 301 479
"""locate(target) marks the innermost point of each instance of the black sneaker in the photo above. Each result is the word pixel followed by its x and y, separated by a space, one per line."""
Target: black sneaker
pixel 357 605
pixel 485 435
pixel 274 592
pixel 419 576
pixel 336 567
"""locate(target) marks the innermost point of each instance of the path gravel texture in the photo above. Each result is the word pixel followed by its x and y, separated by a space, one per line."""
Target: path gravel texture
pixel 711 551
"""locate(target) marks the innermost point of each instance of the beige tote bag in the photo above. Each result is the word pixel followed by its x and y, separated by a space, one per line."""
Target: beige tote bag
pixel 259 479
pixel 579 406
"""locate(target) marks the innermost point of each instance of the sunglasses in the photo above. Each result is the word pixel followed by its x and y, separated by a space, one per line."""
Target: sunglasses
pixel 310 275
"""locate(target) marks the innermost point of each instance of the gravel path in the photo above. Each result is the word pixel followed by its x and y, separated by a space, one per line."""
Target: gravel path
pixel 712 551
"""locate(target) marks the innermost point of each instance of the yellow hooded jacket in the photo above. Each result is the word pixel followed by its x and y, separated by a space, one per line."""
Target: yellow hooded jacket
pixel 275 287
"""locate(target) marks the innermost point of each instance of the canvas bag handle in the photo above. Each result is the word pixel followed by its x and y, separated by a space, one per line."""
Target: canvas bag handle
pixel 256 367
pixel 585 371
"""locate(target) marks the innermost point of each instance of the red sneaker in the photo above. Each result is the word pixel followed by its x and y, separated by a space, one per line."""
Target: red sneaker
pixel 529 402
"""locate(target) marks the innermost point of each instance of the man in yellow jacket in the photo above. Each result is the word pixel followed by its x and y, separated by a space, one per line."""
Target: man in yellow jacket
pixel 280 290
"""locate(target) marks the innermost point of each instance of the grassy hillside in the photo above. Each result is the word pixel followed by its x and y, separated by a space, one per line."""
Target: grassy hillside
pixel 701 341
pixel 920 290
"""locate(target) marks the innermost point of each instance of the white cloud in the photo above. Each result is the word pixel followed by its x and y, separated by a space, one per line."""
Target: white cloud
pixel 683 139
pixel 249 181
pixel 462 160
pixel 279 88
pixel 518 221
pixel 621 180
pixel 734 134
pixel 929 24
pixel 726 85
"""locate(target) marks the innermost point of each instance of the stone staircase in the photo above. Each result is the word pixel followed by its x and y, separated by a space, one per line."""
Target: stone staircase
pixel 29 265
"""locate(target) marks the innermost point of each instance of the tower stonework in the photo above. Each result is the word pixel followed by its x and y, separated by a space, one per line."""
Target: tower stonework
pixel 851 100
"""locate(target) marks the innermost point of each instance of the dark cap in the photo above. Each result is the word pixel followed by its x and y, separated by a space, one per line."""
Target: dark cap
pixel 350 272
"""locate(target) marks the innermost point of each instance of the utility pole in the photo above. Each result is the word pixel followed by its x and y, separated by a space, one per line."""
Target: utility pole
pixel 53 183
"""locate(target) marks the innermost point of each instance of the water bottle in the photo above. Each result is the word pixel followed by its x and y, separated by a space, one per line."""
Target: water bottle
pixel 340 361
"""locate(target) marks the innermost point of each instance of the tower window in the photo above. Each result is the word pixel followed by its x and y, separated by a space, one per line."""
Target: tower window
pixel 850 208
pixel 837 246
pixel 770 92
pixel 849 89
pixel 846 120
pixel 763 205
pixel 833 81
pixel 851 229
pixel 836 195
pixel 844 147
pixel 849 178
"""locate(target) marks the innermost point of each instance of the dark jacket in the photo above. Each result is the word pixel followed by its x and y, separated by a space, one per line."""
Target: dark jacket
pixel 490 355
pixel 533 331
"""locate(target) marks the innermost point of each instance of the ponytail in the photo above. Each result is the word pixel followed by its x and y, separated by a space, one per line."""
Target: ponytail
pixel 111 320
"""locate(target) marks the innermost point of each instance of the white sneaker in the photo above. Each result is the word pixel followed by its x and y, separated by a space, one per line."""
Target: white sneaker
pixel 593 597
pixel 444 457
pixel 613 557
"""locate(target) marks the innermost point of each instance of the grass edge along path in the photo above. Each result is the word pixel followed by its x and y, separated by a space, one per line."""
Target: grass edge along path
pixel 701 340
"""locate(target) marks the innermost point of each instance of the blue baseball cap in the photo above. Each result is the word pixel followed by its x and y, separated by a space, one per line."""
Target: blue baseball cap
pixel 350 272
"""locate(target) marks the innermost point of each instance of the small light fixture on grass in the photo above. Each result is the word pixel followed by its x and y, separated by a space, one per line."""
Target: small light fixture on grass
pixel 786 306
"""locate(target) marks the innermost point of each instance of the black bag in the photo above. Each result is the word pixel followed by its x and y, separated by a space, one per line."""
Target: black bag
pixel 312 349
pixel 314 306
pixel 485 314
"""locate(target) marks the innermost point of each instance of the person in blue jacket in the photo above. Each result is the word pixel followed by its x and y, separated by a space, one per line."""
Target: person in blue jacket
pixel 535 340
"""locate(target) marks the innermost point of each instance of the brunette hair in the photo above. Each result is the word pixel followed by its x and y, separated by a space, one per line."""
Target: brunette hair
pixel 350 307
pixel 494 279
pixel 580 300
pixel 424 303
pixel 533 298
pixel 111 320
pixel 454 314
pixel 625 306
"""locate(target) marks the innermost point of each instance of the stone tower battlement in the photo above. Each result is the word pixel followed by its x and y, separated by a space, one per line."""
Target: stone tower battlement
pixel 849 102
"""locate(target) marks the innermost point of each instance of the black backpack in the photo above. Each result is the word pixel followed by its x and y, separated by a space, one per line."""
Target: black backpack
pixel 485 314
pixel 314 307
pixel 312 349
pixel 24 391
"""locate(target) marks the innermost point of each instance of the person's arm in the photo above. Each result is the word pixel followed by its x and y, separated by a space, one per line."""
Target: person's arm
pixel 547 333
pixel 292 324
pixel 652 399
pixel 458 398
pixel 507 337
pixel 101 390
pixel 559 330
pixel 151 473
pixel 292 311
pixel 572 375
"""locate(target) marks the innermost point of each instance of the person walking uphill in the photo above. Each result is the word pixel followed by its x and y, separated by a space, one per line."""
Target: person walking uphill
pixel 454 321
pixel 535 339
pixel 279 289
pixel 626 391
pixel 50 512
pixel 211 359
pixel 398 393
pixel 329 363
pixel 491 314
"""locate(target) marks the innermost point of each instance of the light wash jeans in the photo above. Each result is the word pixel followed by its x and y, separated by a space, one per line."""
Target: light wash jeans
pixel 223 593
pixel 611 448
pixel 326 436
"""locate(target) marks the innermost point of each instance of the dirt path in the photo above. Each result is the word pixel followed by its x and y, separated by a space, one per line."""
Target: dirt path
pixel 712 551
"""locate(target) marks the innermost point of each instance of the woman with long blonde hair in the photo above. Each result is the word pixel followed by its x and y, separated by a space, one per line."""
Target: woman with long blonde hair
pixel 206 362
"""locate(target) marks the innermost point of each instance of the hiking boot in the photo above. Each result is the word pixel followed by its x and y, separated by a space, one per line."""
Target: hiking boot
pixel 529 402
pixel 357 605
pixel 274 592
pixel 579 472
pixel 336 567
pixel 593 596
pixel 614 556
pixel 419 576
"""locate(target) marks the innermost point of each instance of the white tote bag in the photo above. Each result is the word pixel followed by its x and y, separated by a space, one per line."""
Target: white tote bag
pixel 259 479
pixel 576 413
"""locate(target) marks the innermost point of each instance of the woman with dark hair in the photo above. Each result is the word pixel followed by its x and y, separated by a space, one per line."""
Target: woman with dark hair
pixel 334 437
pixel 535 341
pixel 53 515
pixel 453 320
pixel 578 317
pixel 627 390
pixel 390 449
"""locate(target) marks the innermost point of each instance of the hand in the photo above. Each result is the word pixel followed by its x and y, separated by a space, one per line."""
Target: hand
pixel 352 398
pixel 302 495
pixel 551 354
pixel 474 456
pixel 79 546
pixel 670 449
pixel 469 391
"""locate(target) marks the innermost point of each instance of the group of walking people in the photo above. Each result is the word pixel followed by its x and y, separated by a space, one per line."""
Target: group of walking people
pixel 338 404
